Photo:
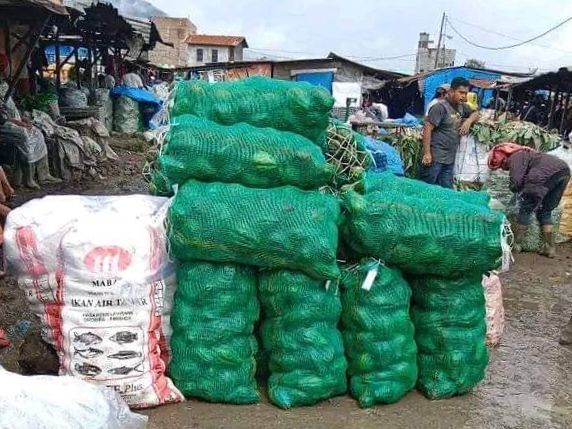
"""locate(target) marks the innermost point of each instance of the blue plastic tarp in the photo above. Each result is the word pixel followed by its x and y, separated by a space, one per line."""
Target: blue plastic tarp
pixel 385 157
pixel 150 102
pixel 408 120
pixel 137 94
pixel 323 79
pixel 440 77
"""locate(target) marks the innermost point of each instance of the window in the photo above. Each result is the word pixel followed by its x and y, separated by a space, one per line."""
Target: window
pixel 199 55
pixel 215 55
pixel 231 54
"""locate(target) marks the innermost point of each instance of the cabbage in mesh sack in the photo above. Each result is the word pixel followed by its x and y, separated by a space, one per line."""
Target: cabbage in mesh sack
pixel 300 334
pixel 418 236
pixel 450 331
pixel 213 343
pixel 378 334
pixel 258 157
pixel 269 228
pixel 389 182
pixel 287 106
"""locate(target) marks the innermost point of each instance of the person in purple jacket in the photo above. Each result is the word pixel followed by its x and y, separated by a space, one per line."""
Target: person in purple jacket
pixel 541 180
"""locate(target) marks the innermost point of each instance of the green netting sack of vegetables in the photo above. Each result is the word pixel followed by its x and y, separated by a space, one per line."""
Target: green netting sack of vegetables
pixel 259 157
pixel 268 228
pixel 422 236
pixel 297 107
pixel 378 333
pixel 389 182
pixel 450 330
pixel 300 335
pixel 213 344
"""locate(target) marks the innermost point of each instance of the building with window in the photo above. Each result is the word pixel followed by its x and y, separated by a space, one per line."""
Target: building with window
pixel 174 31
pixel 426 54
pixel 206 49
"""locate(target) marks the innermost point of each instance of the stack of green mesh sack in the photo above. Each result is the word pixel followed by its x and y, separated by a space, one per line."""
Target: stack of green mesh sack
pixel 450 329
pixel 378 333
pixel 213 346
pixel 247 161
pixel 444 241
pixel 424 229
pixel 264 103
pixel 299 330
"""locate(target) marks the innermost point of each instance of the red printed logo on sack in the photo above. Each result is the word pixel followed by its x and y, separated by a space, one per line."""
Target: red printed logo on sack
pixel 108 259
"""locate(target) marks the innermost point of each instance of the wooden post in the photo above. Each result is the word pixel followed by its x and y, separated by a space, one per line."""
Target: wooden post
pixel 439 43
pixel 564 111
pixel 496 103
pixel 77 73
pixel 553 106
pixel 58 62
pixel 508 99
pixel 34 37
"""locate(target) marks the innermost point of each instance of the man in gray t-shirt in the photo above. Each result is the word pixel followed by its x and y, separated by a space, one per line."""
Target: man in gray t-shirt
pixel 446 122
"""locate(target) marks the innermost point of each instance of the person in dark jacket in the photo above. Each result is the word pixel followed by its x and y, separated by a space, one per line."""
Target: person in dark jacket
pixel 540 179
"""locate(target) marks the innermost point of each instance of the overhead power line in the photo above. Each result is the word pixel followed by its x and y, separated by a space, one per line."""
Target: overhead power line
pixel 488 30
pixel 356 57
pixel 499 48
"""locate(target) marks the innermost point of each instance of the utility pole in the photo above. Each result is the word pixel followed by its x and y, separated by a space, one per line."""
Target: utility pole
pixel 440 39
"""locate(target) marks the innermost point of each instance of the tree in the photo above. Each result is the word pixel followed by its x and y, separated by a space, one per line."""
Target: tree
pixel 474 63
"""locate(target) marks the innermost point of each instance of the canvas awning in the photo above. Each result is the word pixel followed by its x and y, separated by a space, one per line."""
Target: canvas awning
pixel 54 6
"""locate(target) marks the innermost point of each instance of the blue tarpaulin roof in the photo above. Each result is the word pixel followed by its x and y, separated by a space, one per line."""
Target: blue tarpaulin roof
pixel 439 77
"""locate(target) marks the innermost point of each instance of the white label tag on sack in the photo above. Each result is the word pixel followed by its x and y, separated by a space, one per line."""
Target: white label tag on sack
pixel 369 279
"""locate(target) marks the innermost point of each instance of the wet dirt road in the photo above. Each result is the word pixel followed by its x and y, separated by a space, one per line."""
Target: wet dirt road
pixel 528 384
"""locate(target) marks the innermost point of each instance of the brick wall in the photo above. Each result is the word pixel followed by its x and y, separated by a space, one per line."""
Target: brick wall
pixel 175 31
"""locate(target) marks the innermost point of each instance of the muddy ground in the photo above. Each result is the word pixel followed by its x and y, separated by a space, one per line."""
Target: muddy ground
pixel 528 385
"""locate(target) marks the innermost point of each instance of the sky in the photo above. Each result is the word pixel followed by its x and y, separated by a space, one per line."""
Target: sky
pixel 367 30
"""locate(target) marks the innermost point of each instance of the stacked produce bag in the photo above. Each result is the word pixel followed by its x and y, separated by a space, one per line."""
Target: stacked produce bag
pixel 247 160
pixel 96 272
pixel 378 333
pixel 444 241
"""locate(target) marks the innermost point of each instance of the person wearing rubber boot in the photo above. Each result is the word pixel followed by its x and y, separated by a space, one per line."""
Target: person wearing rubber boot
pixel 28 140
pixel 541 180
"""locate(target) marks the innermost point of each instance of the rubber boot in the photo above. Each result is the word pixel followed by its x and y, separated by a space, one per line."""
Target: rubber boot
pixel 566 334
pixel 29 175
pixel 44 176
pixel 548 248
pixel 519 234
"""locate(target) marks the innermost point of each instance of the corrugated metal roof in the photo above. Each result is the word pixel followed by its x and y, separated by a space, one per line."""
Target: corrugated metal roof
pixel 55 6
pixel 206 39
pixel 140 25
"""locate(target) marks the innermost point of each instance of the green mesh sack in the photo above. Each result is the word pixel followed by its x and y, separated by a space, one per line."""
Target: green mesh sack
pixel 213 344
pixel 438 237
pixel 450 331
pixel 297 107
pixel 389 182
pixel 269 228
pixel 159 184
pixel 378 334
pixel 300 336
pixel 258 157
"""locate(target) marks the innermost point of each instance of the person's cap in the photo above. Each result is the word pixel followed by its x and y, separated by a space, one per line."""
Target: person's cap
pixel 444 86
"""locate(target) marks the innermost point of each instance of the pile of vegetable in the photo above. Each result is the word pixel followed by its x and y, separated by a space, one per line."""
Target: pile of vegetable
pixel 346 151
pixel 409 144
pixel 523 133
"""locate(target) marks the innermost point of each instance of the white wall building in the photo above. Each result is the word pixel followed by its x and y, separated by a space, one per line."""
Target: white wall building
pixel 205 49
